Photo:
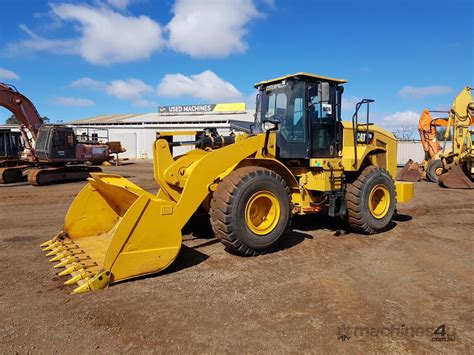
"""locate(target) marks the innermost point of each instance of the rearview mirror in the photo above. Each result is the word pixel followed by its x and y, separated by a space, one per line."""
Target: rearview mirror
pixel 323 91
pixel 270 125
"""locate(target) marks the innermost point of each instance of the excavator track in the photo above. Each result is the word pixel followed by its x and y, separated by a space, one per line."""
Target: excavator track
pixel 10 174
pixel 48 176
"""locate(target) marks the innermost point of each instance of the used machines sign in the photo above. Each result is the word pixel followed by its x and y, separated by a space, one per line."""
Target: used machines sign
pixel 227 107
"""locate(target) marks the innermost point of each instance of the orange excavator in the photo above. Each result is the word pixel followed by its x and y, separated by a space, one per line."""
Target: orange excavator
pixel 49 153
pixel 432 166
pixel 453 168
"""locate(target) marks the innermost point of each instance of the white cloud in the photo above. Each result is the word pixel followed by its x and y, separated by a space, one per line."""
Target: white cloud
pixel 38 43
pixel 89 83
pixel 110 37
pixel 132 90
pixel 120 4
pixel 209 28
pixel 420 92
pixel 398 119
pixel 6 74
pixel 108 33
pixel 106 36
pixel 73 101
pixel 349 103
pixel 204 86
pixel 250 100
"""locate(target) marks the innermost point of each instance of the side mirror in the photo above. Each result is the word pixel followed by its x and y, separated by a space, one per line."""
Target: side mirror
pixel 323 91
pixel 270 125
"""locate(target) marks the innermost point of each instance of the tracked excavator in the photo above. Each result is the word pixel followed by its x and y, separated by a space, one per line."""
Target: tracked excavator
pixel 49 153
pixel 431 166
pixel 299 159
pixel 450 167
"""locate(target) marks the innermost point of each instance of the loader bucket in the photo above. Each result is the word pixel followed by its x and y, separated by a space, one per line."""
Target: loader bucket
pixel 455 178
pixel 410 172
pixel 113 231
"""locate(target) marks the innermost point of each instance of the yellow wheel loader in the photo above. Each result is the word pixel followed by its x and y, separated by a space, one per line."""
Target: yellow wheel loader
pixel 299 158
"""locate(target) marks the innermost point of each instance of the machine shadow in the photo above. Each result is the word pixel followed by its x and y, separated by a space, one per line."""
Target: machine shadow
pixel 200 229
pixel 316 222
pixel 398 217
pixel 187 257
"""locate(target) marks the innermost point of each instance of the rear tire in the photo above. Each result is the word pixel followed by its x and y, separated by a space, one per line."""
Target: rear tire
pixel 251 210
pixel 371 201
pixel 434 170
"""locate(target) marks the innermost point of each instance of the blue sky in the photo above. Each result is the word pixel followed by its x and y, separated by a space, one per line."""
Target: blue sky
pixel 85 58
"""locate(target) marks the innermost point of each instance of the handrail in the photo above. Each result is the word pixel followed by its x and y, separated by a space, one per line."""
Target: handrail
pixel 355 125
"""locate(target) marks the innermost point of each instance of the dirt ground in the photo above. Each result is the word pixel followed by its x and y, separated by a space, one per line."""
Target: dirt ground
pixel 323 291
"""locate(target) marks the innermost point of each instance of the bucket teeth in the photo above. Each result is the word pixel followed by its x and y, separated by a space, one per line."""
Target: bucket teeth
pixel 82 274
pixel 47 243
pixel 65 263
pixel 97 282
pixel 56 251
pixel 71 259
pixel 76 267
pixel 85 287
pixel 58 257
pixel 65 254
pixel 51 246
pixel 60 249
pixel 70 269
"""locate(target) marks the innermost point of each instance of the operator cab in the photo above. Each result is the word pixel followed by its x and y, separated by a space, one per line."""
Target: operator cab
pixel 10 144
pixel 307 111
pixel 56 143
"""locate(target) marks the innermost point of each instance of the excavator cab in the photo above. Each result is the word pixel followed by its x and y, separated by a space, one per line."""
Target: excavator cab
pixel 10 144
pixel 56 143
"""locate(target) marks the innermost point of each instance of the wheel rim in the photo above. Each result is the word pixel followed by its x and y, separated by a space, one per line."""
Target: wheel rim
pixel 379 201
pixel 262 212
pixel 438 171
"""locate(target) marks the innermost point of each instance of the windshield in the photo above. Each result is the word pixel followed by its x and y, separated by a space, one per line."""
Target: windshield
pixel 284 103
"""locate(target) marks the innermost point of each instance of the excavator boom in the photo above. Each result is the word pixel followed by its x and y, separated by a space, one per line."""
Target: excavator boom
pixel 23 109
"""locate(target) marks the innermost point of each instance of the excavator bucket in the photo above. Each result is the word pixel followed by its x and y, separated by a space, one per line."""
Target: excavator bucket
pixel 455 178
pixel 113 231
pixel 410 172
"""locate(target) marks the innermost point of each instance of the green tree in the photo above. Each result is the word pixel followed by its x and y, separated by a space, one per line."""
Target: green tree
pixel 440 131
pixel 12 120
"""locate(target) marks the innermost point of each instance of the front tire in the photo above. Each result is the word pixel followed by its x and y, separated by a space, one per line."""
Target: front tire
pixel 371 201
pixel 251 210
pixel 434 170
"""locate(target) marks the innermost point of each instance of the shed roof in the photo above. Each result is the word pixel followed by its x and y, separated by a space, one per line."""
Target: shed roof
pixel 154 117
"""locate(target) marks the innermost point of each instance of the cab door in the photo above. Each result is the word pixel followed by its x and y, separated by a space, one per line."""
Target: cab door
pixel 287 106
pixel 323 120
pixel 63 143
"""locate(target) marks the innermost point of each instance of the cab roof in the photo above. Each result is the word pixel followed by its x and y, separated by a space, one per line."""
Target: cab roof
pixel 301 75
